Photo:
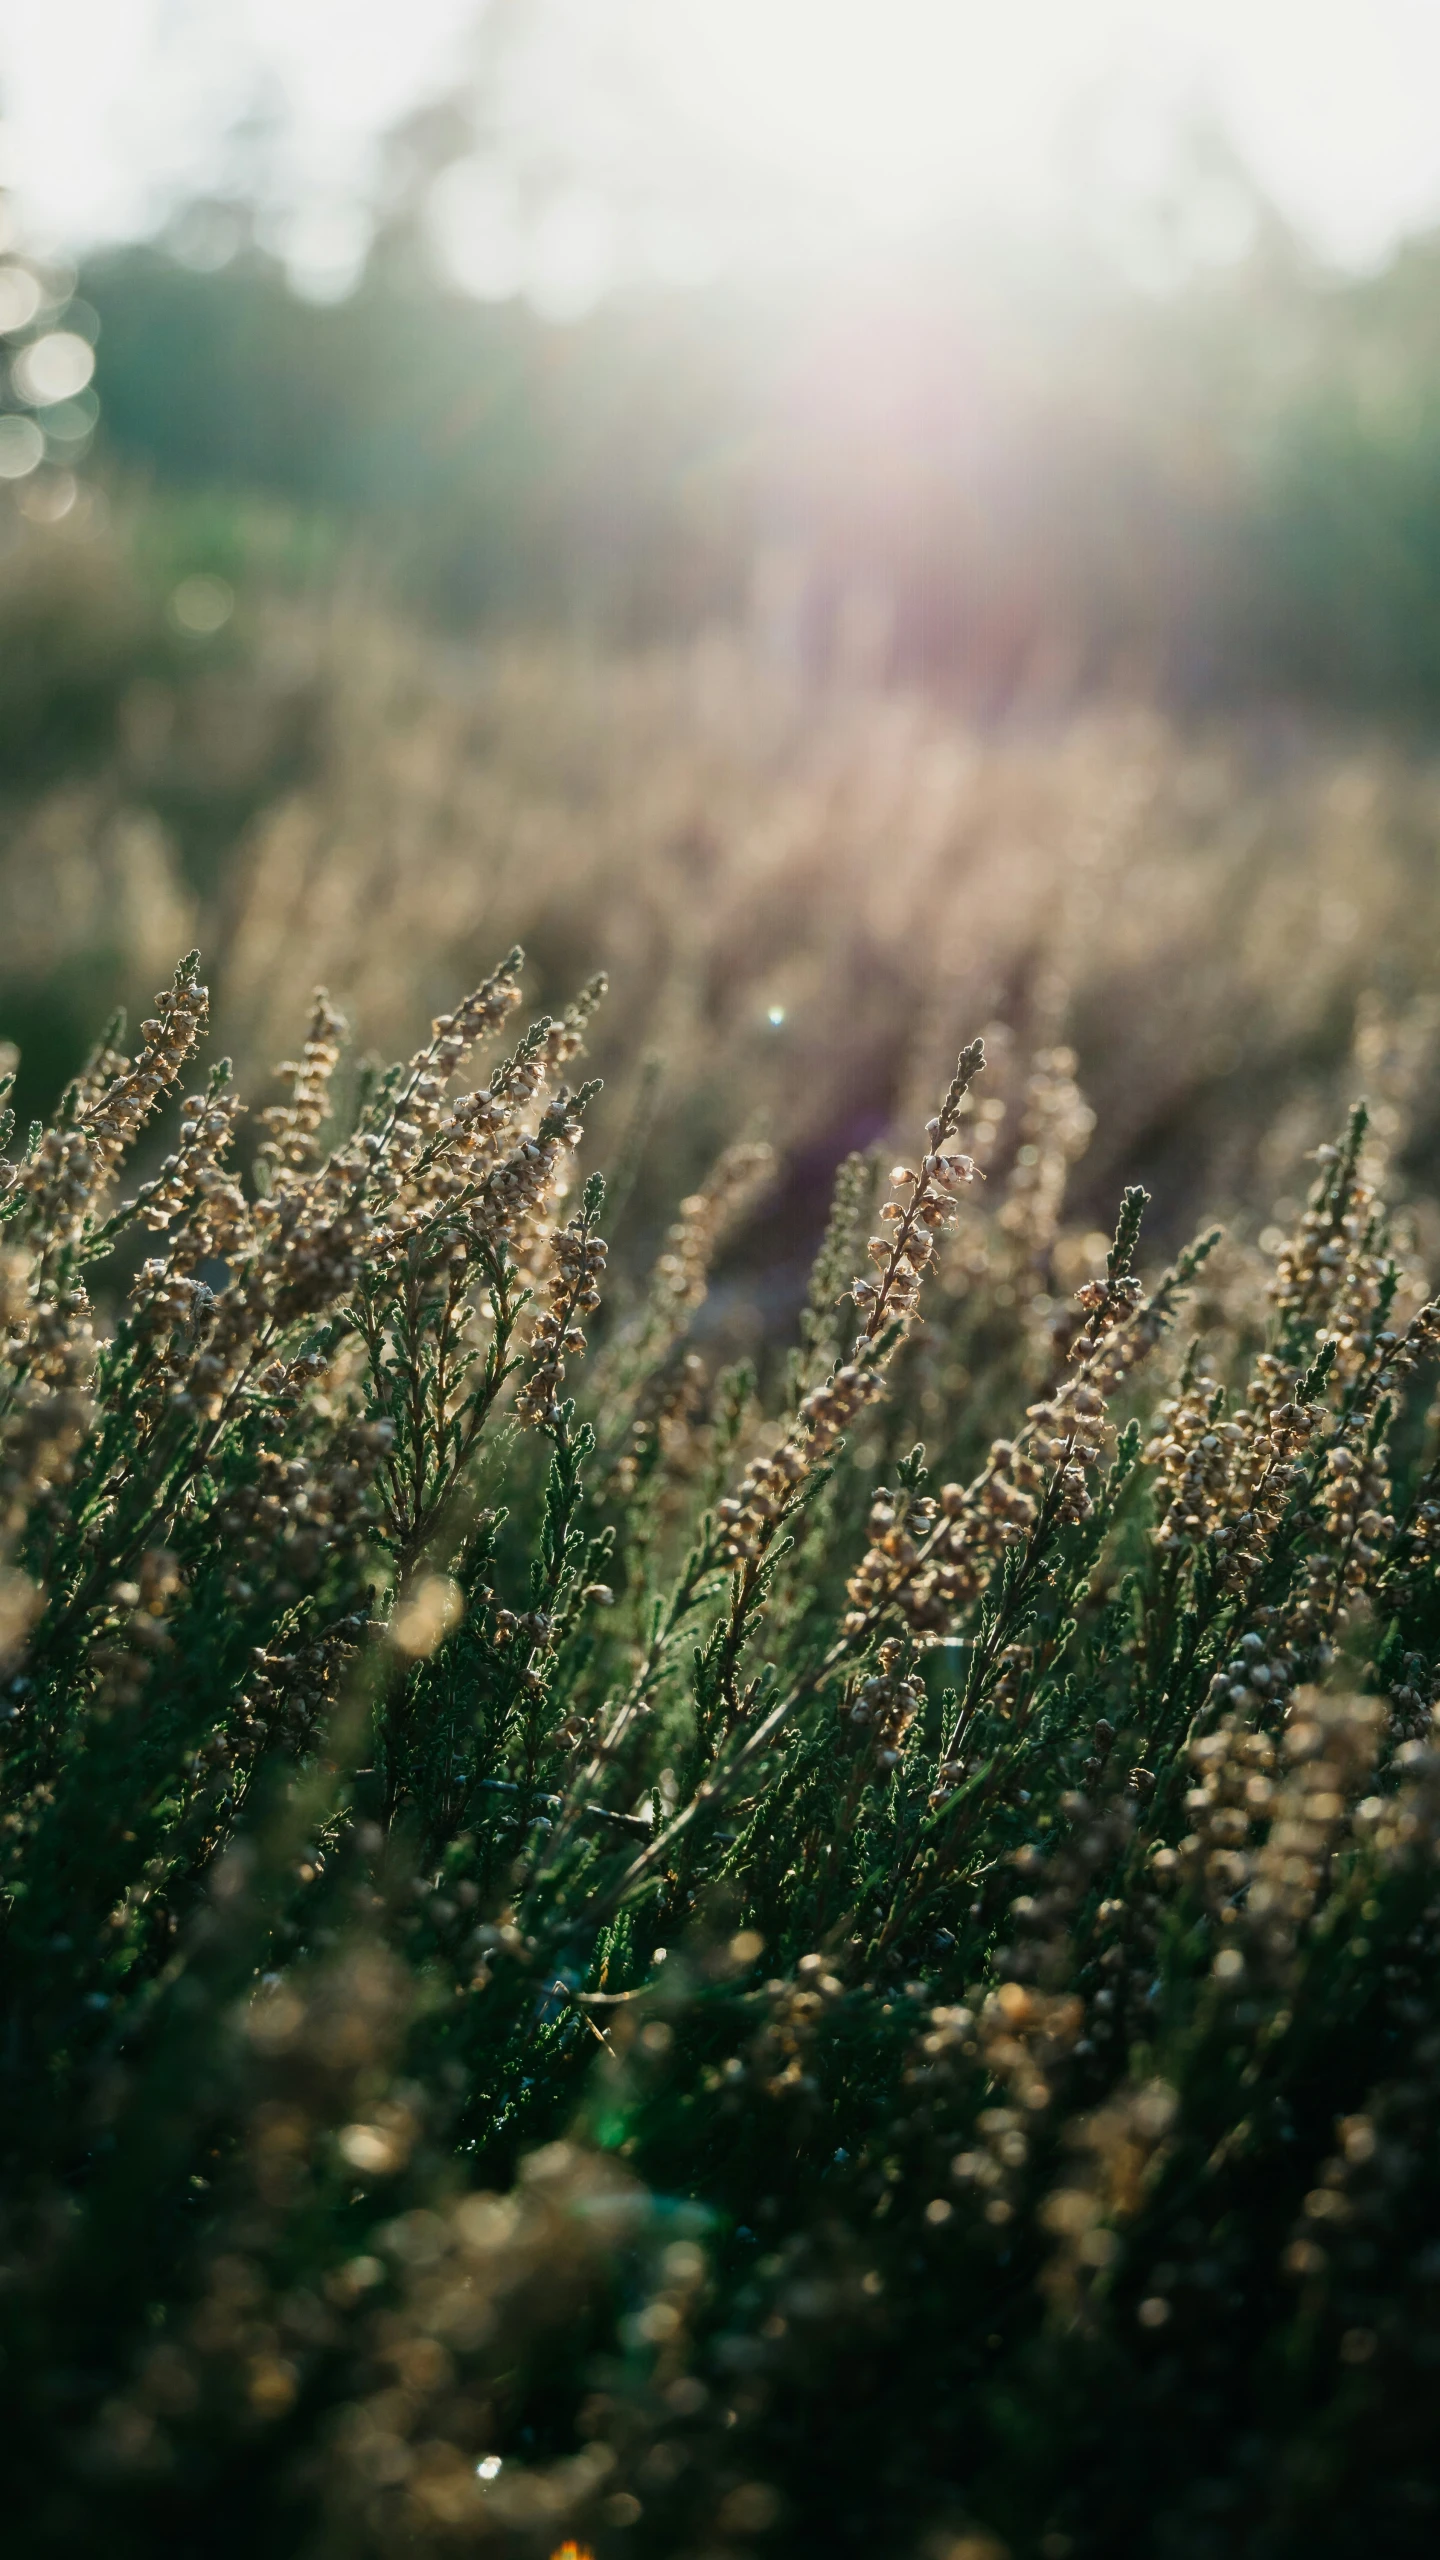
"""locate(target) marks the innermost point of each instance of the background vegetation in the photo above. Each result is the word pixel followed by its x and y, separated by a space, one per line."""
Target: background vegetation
pixel 1024 479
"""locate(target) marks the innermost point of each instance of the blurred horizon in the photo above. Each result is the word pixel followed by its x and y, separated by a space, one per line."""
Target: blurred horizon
pixel 1019 353
pixel 677 142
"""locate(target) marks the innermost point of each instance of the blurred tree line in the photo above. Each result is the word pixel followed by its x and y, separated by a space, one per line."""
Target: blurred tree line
pixel 1035 483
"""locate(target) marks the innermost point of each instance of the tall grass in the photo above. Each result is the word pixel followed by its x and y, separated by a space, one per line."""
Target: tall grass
pixel 604 1948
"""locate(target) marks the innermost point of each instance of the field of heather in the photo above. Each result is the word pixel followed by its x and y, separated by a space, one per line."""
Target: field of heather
pixel 719 1352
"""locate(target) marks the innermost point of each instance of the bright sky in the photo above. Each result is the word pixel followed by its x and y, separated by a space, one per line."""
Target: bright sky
pixel 866 115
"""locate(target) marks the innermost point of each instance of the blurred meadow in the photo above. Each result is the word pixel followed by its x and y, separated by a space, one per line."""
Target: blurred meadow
pixel 802 886
pixel 840 663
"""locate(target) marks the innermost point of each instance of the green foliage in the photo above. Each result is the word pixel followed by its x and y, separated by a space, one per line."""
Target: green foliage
pixel 692 1962
pixel 1231 485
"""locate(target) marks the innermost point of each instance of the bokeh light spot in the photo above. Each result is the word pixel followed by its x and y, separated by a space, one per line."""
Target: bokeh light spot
pixel 53 368
pixel 19 298
pixel 22 446
pixel 202 605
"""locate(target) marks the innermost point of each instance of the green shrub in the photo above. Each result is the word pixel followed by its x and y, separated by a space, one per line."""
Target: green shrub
pixel 654 1961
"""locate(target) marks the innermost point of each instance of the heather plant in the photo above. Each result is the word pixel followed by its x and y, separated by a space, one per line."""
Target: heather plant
pixel 611 1950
